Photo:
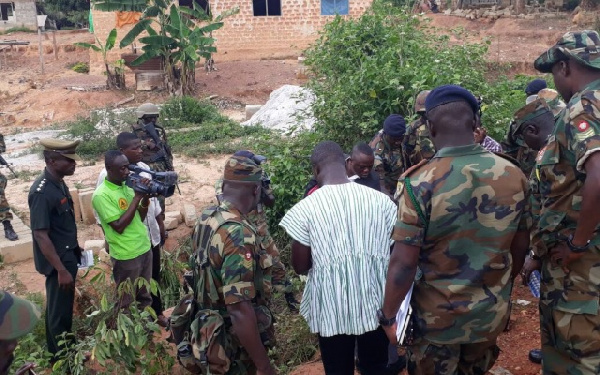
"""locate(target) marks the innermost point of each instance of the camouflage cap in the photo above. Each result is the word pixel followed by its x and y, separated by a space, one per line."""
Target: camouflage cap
pixel 553 99
pixel 17 316
pixel 582 46
pixel 240 168
pixel 65 148
pixel 532 110
pixel 420 101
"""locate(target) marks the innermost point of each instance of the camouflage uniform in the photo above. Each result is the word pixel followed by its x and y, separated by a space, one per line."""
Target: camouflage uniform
pixel 17 316
pixel 150 150
pixel 470 205
pixel 4 206
pixel 239 269
pixel 389 163
pixel 569 303
pixel 258 218
pixel 417 143
pixel 515 147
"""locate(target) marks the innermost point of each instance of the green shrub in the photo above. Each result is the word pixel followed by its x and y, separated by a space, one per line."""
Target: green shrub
pixel 81 67
pixel 181 112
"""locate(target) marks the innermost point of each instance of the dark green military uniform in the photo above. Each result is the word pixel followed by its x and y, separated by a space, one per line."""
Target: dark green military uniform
pixel 51 208
pixel 153 155
pixel 569 302
pixel 417 143
pixel 390 163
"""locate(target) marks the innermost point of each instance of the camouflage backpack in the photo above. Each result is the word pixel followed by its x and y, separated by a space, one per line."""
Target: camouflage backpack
pixel 204 345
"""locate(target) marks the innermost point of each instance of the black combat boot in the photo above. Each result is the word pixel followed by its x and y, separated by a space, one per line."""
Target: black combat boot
pixel 9 232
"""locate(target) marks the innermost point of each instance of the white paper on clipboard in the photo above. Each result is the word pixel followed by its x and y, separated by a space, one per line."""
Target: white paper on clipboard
pixel 403 314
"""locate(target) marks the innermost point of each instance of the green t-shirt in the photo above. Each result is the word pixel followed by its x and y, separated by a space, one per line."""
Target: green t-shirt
pixel 110 202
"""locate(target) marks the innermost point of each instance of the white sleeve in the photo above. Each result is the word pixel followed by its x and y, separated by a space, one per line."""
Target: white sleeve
pixel 295 222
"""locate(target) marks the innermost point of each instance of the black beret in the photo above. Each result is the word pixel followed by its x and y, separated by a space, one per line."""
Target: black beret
pixel 448 94
pixel 535 86
pixel 394 126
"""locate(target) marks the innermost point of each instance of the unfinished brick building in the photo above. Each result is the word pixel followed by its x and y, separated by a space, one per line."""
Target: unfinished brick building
pixel 262 28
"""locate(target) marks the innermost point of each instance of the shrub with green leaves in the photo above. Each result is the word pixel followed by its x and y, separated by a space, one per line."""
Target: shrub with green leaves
pixel 181 112
pixel 81 67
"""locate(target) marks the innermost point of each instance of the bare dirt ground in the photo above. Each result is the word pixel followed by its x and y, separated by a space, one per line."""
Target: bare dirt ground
pixel 32 101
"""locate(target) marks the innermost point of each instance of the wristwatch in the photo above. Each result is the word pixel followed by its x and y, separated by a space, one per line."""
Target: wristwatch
pixel 576 249
pixel 533 256
pixel 383 320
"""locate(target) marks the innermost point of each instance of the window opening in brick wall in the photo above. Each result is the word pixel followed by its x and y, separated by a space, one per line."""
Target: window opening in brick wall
pixel 200 4
pixel 266 7
pixel 333 7
pixel 6 11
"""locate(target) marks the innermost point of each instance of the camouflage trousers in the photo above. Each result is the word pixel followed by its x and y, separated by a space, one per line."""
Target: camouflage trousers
pixel 426 358
pixel 278 276
pixel 570 342
pixel 4 207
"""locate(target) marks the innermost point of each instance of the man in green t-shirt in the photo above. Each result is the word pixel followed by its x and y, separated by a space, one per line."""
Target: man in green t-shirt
pixel 122 212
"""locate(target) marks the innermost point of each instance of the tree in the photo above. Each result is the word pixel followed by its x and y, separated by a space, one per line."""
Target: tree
pixel 173 35
pixel 66 13
pixel 115 77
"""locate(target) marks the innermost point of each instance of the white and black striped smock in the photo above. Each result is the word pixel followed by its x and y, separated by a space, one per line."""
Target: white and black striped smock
pixel 348 228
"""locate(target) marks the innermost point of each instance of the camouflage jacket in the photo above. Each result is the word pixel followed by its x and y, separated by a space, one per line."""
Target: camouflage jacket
pixel 258 219
pixel 389 163
pixel 470 203
pixel 150 151
pixel 516 148
pixel 238 268
pixel 559 169
pixel 417 143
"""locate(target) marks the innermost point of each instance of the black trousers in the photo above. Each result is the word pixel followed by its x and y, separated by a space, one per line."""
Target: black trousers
pixel 59 308
pixel 156 301
pixel 337 353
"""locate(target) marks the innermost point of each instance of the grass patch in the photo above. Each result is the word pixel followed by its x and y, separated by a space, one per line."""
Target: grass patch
pixel 80 67
pixel 17 29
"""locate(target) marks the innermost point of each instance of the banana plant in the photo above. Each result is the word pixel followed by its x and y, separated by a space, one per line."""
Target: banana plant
pixel 115 78
pixel 181 36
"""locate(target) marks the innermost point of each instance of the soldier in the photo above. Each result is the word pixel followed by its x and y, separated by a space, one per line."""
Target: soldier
pixel 232 262
pixel 463 220
pixel 156 150
pixel 56 251
pixel 5 214
pixel 258 218
pixel 18 317
pixel 417 142
pixel 566 240
pixel 533 88
pixel 390 157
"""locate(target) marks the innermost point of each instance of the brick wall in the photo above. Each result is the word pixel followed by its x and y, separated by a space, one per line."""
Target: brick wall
pixel 245 36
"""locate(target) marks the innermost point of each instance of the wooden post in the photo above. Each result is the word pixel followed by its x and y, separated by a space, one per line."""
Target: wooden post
pixel 40 48
pixel 54 45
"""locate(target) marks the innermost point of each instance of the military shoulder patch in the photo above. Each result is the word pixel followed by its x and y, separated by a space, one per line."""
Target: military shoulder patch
pixel 584 130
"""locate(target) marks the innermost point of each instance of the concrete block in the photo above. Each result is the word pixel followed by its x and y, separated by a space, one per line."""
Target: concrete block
pixel 85 203
pixel 94 245
pixel 188 211
pixel 76 206
pixel 251 109
pixel 175 214
pixel 21 249
pixel 171 223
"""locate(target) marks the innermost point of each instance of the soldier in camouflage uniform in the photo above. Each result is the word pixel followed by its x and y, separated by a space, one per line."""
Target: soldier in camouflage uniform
pixel 463 220
pixel 239 268
pixel 5 214
pixel 390 157
pixel 258 218
pixel 567 238
pixel 18 317
pixel 417 142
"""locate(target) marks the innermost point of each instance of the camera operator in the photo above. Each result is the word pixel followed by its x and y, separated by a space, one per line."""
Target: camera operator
pixel 122 211
pixel 130 145
pixel 258 218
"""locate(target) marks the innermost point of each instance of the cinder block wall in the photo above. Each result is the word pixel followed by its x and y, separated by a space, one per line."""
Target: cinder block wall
pixel 24 15
pixel 245 36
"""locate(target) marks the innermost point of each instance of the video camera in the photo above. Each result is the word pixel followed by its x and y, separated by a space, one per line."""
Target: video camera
pixel 162 183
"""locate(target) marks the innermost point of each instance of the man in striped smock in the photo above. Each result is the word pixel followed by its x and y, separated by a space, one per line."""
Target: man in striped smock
pixel 341 239
pixel 463 220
